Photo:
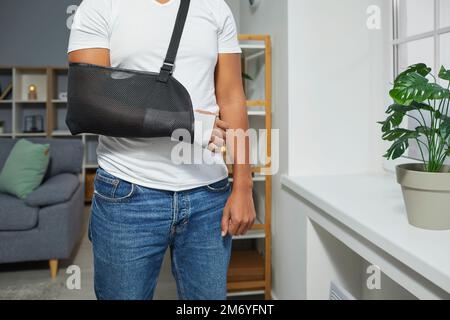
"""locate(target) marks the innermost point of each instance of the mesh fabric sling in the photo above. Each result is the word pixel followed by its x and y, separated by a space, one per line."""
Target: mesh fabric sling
pixel 128 103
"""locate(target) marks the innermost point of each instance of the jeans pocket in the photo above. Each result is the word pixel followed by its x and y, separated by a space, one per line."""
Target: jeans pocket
pixel 219 186
pixel 110 188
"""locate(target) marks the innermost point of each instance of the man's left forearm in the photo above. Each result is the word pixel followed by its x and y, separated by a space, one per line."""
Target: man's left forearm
pixel 235 114
pixel 239 212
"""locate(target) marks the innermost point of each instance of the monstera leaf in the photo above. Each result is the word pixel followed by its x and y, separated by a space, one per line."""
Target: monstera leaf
pixel 397 112
pixel 444 74
pixel 445 129
pixel 420 68
pixel 246 76
pixel 413 106
pixel 400 133
pixel 414 87
pixel 401 139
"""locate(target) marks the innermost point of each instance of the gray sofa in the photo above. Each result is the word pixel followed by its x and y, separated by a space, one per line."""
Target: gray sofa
pixel 48 223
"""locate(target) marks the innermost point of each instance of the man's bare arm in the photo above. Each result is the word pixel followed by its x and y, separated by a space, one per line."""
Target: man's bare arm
pixel 239 213
pixel 97 56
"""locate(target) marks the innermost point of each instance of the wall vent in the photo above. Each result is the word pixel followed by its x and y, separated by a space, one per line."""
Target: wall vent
pixel 339 293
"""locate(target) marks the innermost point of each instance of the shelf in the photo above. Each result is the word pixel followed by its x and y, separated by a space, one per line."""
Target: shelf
pixel 252 51
pixel 32 134
pixel 255 178
pixel 258 226
pixel 256 232
pixel 245 286
pixel 259 178
pixel 252 234
pixel 61 133
pixel 371 204
pixel 23 78
pixel 58 83
pixel 6 101
pixel 246 271
pixel 253 46
pixel 245 293
pixel 5 135
pixel 6 116
pixel 256 113
pixel 31 101
pixel 256 107
pixel 91 165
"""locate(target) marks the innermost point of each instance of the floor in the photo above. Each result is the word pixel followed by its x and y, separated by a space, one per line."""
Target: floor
pixel 32 280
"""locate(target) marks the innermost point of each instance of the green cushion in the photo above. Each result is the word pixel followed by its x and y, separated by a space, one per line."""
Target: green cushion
pixel 25 168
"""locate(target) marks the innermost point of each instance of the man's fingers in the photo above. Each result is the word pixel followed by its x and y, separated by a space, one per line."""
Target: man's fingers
pixel 218 141
pixel 212 147
pixel 217 132
pixel 243 228
pixel 222 124
pixel 216 144
pixel 234 227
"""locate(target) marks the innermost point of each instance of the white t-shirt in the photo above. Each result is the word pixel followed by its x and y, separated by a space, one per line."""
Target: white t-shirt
pixel 138 33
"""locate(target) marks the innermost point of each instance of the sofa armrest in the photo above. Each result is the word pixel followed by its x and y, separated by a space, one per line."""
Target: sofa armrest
pixel 57 189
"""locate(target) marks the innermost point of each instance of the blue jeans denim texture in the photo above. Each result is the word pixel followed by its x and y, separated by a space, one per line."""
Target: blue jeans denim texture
pixel 131 228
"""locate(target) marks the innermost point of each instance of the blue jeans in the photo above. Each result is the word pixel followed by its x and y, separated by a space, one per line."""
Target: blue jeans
pixel 131 228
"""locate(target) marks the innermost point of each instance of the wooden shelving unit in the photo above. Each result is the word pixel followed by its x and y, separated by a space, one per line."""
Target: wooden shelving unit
pixel 250 270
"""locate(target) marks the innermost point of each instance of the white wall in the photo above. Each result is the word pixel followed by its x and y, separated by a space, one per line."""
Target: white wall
pixel 338 80
pixel 339 73
pixel 235 6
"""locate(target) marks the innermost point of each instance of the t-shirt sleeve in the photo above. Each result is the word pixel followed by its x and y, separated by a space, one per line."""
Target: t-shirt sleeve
pixel 91 26
pixel 227 35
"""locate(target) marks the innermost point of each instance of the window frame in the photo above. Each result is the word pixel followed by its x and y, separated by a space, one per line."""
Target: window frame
pixel 396 42
pixel 435 34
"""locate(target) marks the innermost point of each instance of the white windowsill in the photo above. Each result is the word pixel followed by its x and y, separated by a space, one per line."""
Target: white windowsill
pixel 372 206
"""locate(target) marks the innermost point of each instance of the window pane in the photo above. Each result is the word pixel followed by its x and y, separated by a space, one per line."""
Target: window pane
pixel 414 151
pixel 420 51
pixel 415 17
pixel 445 50
pixel 445 13
pixel 445 58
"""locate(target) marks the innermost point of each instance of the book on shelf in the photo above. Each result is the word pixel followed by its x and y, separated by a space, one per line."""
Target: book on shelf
pixel 6 92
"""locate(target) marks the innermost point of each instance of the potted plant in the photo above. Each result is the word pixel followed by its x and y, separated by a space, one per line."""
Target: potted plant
pixel 418 96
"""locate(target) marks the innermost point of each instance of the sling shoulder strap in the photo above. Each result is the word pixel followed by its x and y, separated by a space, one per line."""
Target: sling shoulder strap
pixel 169 62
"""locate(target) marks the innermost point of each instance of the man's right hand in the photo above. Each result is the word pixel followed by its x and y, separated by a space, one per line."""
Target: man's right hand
pixel 218 136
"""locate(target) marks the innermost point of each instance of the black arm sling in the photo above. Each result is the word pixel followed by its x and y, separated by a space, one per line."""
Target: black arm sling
pixel 126 103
